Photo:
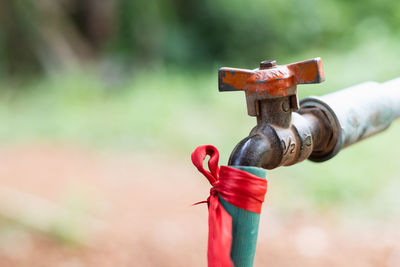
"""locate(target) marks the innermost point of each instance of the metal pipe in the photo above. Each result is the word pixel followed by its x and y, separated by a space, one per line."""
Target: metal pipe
pixel 355 113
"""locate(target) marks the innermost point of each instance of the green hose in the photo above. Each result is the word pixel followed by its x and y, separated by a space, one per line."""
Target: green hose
pixel 244 226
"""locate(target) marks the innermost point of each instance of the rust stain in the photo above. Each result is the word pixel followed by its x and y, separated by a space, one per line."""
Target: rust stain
pixel 270 75
pixel 235 77
pixel 274 88
pixel 309 71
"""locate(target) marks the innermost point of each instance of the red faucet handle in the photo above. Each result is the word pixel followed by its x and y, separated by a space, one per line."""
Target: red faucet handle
pixel 308 71
pixel 270 80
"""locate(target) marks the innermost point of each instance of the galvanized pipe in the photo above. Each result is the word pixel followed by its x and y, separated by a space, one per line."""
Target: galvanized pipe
pixel 355 113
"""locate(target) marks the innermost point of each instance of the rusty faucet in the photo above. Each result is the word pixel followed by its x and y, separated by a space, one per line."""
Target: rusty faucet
pixel 317 128
pixel 289 131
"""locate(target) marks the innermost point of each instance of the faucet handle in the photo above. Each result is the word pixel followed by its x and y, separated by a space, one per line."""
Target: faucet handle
pixel 270 81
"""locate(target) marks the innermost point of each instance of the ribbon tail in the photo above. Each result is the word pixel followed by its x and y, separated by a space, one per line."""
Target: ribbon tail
pixel 219 235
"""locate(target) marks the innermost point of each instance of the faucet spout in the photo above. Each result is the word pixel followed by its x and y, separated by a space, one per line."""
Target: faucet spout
pixel 252 151
pixel 272 145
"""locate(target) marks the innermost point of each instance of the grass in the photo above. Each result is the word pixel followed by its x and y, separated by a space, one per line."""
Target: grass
pixel 174 110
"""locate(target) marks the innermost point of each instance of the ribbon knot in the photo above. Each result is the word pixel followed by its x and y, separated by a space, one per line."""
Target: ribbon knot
pixel 240 188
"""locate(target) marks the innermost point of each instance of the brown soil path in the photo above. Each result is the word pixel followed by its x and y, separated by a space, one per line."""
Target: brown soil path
pixel 143 204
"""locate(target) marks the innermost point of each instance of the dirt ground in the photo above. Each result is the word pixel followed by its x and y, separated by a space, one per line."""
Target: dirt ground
pixel 135 210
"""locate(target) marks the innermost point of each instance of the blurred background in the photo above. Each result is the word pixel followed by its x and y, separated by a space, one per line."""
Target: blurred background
pixel 102 102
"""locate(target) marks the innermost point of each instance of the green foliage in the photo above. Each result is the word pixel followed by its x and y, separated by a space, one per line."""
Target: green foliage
pixel 185 33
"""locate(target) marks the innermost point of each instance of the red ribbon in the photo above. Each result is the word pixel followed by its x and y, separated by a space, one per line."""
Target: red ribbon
pixel 240 188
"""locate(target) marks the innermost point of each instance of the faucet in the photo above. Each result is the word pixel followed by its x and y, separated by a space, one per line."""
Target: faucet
pixel 316 128
pixel 289 131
